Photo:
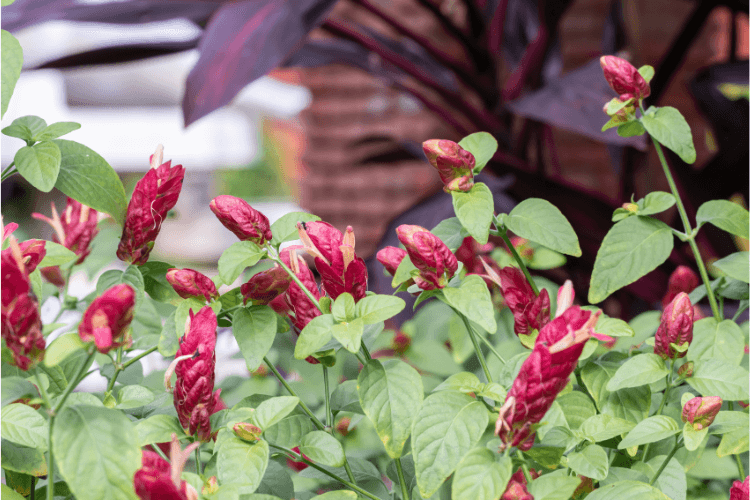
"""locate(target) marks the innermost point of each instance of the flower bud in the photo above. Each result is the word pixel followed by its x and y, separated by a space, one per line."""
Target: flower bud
pixel 76 228
pixel 158 479
pixel 740 490
pixel 400 343
pixel 391 258
pixel 211 486
pixel 342 426
pixel 686 370
pixel 454 164
pixel 676 328
pixel 265 286
pixel 190 283
pixel 700 412
pixel 529 310
pixel 434 260
pixel 248 432
pixel 522 247
pixel 153 197
pixel 624 79
pixel 108 317
pixel 53 275
pixel 243 220
pixel 683 279
pixel 630 207
pixel 516 488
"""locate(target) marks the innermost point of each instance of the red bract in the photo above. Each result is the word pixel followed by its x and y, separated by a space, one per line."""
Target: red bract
pixel 740 490
pixel 154 195
pixel 435 261
pixel 298 466
pixel 700 412
pixel 400 343
pixel 391 258
pixel 624 79
pixel 454 164
pixel 194 364
pixel 190 283
pixel 266 286
pixel 529 311
pixel 107 319
pixel 243 220
pixel 75 229
pixel 158 479
pixel 543 375
pixel 676 328
pixel 33 252
pixel 470 253
pixel 339 267
pixel 21 322
pixel 294 303
pixel 683 279
pixel 516 489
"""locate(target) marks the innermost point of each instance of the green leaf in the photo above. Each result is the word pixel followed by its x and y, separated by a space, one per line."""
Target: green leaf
pixel 602 427
pixel 403 272
pixel 376 308
pixel 343 308
pixel 480 477
pixel 285 228
pixel 650 430
pixel 87 177
pixel 669 127
pixel 613 327
pixel 349 334
pixel 236 258
pixel 672 481
pixel 736 265
pixel 547 456
pixel 463 382
pixel 273 410
pixel 10 66
pixel 714 377
pixel 446 427
pixel 23 425
pixel 158 429
pixel 239 462
pixel 56 130
pixel 23 459
pixel 255 330
pixel 102 442
pixel 591 462
pixel 647 72
pixel 56 255
pixel 631 249
pixel 182 313
pixel 322 448
pixel 39 164
pixel 451 232
pixel 544 258
pixel 288 431
pixel 712 339
pixel 7 492
pixel 390 394
pixel 314 336
pixel 169 340
pixel 482 145
pixel 541 222
pixel 336 495
pixel 134 396
pixel 629 404
pixel 577 407
pixel 655 202
pixel 627 490
pixel 155 281
pixel 692 438
pixel 346 397
pixel 725 215
pixel 472 299
pixel 631 129
pixel 728 421
pixel 639 370
pixel 474 209
pixel 57 379
pixel 733 443
pixel 25 127
pixel 62 347
pixel 555 486
pixel 14 388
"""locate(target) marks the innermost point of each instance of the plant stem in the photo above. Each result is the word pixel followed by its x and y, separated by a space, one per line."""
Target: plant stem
pixel 504 235
pixel 401 480
pixel 329 415
pixel 50 462
pixel 477 349
pixel 63 305
pixel 198 461
pixel 302 404
pixel 361 358
pixel 666 461
pixel 525 468
pixel 688 231
pixel 299 283
pixel 7 171
pixel 658 412
pixel 740 467
pixel 226 312
pixel 118 369
pixel 492 348
pixel 145 353
pixel 299 458
pixel 156 448
pixel 72 385
pixel 366 352
pixel 43 392
pixel 740 310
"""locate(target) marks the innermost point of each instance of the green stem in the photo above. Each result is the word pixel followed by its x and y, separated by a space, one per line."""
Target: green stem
pixel 43 392
pixel 688 231
pixel 299 283
pixel 198 464
pixel 299 458
pixel 226 312
pixel 361 358
pixel 525 468
pixel 50 462
pixel 329 415
pixel 504 235
pixel 72 385
pixel 740 310
pixel 137 358
pixel 156 448
pixel 302 404
pixel 477 349
pixel 740 467
pixel 492 348
pixel 666 461
pixel 63 301
pixel 7 171
pixel 401 480
pixel 118 369
pixel 366 352
pixel 658 412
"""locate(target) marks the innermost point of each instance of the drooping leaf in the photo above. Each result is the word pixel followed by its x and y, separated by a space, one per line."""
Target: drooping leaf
pixel 736 265
pixel 62 347
pixel 474 209
pixel 159 429
pixel 56 255
pixel 714 377
pixel 314 336
pixel 725 215
pixel 24 426
pixel 650 430
pixel 591 462
pixel 242 463
pixel 321 447
pixel 23 459
pixel 669 127
pixel 472 299
pixel 10 67
pixel 482 145
pixel 480 477
pixel 541 222
pixel 236 258
pixel 255 329
pixel 285 228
